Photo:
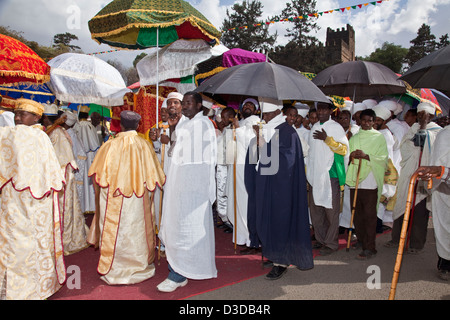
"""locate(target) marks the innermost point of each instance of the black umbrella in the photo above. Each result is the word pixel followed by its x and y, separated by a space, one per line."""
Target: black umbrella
pixel 263 79
pixel 432 71
pixel 359 79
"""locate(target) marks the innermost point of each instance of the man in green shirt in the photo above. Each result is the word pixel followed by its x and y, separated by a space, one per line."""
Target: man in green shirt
pixel 369 147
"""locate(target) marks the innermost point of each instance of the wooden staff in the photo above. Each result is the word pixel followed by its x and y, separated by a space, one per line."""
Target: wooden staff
pixel 401 245
pixel 413 206
pixel 163 151
pixel 354 204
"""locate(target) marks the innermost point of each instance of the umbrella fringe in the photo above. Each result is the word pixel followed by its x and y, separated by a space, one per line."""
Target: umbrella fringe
pixel 14 73
pixel 192 20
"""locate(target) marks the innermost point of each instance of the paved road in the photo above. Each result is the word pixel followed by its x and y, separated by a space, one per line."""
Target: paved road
pixel 341 277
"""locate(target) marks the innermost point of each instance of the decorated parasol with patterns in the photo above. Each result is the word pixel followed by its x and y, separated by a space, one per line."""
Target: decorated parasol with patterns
pixel 140 24
pixel 20 64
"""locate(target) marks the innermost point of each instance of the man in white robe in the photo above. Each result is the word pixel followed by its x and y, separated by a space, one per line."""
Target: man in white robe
pixel 6 116
pixel 31 250
pixel 87 134
pixel 398 129
pixel 325 170
pixel 244 133
pixel 80 156
pixel 440 205
pixel 385 209
pixel 74 226
pixel 416 151
pixel 187 229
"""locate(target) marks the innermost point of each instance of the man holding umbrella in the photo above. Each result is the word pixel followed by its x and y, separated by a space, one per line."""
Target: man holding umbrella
pixel 276 183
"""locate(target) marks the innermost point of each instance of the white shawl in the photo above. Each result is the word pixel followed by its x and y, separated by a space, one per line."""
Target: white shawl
pixel 320 159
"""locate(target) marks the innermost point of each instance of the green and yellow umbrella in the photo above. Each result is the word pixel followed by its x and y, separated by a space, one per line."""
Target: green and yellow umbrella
pixel 140 24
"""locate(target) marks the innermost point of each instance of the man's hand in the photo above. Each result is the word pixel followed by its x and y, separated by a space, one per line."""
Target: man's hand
pixel 359 154
pixel 321 135
pixel 426 173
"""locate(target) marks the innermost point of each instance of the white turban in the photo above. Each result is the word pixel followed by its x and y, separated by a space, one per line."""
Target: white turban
pixel 50 109
pixel 175 95
pixel 370 103
pixel 348 105
pixel 270 105
pixel 382 112
pixel 358 107
pixel 71 118
pixel 389 104
pixel 252 101
pixel 302 109
pixel 427 107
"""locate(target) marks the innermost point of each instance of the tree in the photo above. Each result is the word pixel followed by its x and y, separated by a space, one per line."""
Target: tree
pixel 303 52
pixel 390 55
pixel 422 45
pixel 443 41
pixel 138 58
pixel 300 32
pixel 251 32
pixel 64 39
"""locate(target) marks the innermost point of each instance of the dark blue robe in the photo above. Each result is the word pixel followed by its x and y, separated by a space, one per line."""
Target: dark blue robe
pixel 277 203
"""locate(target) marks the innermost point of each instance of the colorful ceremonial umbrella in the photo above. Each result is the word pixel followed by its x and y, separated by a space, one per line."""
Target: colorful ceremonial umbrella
pixel 229 58
pixel 33 91
pixel 20 64
pixel 103 111
pixel 139 24
pixel 81 78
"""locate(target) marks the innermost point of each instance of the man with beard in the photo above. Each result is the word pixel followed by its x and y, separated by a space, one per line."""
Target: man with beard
pixel 415 150
pixel 276 185
pixel 245 224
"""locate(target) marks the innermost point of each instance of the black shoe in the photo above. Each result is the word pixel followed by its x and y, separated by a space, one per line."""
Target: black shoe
pixel 228 230
pixel 276 273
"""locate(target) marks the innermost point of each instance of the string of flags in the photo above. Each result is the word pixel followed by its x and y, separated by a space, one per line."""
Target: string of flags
pixel 291 19
pixel 101 52
pixel 314 15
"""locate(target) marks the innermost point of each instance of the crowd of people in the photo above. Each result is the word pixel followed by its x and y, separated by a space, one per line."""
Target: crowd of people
pixel 284 179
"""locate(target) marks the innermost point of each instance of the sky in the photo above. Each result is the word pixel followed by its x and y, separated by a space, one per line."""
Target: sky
pixel 395 21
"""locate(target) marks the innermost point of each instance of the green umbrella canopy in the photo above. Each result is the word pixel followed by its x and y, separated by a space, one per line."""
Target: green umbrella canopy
pixel 103 111
pixel 132 24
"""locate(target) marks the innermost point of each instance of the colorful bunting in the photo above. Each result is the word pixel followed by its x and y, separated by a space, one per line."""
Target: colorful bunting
pixel 316 14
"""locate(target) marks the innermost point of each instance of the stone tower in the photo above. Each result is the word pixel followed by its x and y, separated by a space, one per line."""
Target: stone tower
pixel 340 45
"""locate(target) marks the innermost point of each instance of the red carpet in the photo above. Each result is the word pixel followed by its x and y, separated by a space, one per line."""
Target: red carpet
pixel 232 268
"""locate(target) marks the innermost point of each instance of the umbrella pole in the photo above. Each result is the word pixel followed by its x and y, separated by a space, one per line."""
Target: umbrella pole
pixel 161 200
pixel 234 190
pixel 157 77
pixel 353 206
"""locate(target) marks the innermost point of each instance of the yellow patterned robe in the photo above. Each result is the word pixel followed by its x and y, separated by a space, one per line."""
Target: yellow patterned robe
pixel 126 170
pixel 31 252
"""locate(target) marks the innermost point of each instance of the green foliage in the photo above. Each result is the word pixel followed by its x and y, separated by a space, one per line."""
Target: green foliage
pixel 390 55
pixel 252 37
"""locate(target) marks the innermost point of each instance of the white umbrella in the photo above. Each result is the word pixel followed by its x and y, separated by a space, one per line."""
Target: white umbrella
pixel 80 78
pixel 176 60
